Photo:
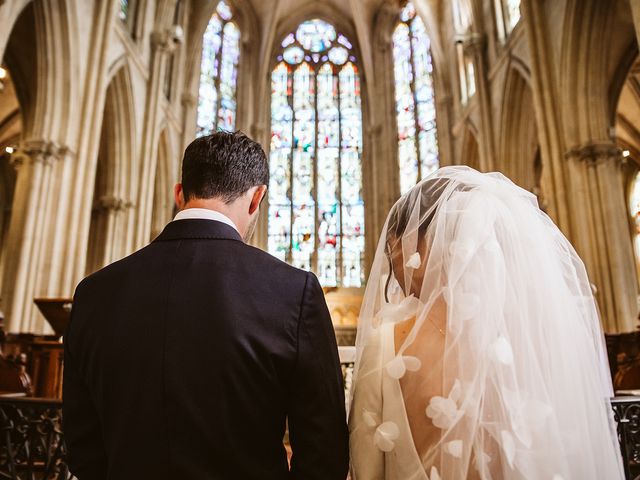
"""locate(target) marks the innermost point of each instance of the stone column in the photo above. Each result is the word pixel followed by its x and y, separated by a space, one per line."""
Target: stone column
pixel 474 47
pixel 108 231
pixel 601 231
pixel 163 43
pixel 546 102
pixel 33 209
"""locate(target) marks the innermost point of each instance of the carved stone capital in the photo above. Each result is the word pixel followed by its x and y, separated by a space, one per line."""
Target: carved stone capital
pixel 39 151
pixel 113 203
pixel 594 154
pixel 168 39
pixel 474 44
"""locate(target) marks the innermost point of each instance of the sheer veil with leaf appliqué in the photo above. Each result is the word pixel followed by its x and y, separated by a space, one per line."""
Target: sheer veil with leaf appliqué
pixel 498 349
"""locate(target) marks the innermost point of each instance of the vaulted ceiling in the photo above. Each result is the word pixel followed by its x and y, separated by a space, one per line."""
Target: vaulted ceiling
pixel 271 15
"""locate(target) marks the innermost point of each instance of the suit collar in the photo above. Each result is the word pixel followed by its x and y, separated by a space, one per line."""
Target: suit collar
pixel 198 229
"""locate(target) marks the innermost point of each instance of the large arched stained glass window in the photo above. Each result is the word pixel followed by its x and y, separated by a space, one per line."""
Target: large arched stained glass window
pixel 316 210
pixel 218 73
pixel 415 102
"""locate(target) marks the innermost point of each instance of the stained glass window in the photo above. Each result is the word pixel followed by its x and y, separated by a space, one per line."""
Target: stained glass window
pixel 316 210
pixel 415 101
pixel 634 206
pixel 218 73
pixel 124 10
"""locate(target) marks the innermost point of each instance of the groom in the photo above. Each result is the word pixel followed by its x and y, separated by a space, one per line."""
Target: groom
pixel 186 359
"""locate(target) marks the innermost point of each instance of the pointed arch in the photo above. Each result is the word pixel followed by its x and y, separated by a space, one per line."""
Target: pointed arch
pixel 590 66
pixel 519 144
pixel 418 154
pixel 115 175
pixel 316 206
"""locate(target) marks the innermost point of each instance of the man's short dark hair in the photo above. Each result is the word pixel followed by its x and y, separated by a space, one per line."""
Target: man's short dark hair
pixel 223 165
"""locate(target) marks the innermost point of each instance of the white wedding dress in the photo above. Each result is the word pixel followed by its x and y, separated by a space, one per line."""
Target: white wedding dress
pixel 369 411
pixel 499 368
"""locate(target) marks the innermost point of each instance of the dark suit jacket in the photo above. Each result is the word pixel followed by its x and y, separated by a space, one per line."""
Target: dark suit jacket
pixel 184 360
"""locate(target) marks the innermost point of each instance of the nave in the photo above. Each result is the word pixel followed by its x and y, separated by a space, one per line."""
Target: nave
pixel 354 102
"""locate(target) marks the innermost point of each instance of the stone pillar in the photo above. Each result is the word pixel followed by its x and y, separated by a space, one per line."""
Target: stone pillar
pixel 32 216
pixel 163 43
pixel 601 232
pixel 546 102
pixel 474 47
pixel 108 231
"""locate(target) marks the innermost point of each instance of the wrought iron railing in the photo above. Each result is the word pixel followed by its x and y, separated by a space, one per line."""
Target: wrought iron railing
pixel 32 444
pixel 31 440
pixel 627 413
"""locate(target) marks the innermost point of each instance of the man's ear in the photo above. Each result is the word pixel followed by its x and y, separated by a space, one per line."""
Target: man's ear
pixel 178 195
pixel 257 197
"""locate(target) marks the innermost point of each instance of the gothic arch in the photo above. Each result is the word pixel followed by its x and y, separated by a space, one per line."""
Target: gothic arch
pixel 115 175
pixel 518 143
pixel 247 21
pixel 54 64
pixel 41 47
pixel 589 62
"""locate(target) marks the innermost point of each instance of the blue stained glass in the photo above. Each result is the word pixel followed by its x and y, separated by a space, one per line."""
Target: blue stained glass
pixel 293 55
pixel 315 35
pixel 288 40
pixel 124 10
pixel 408 12
pixel 218 73
pixel 338 55
pixel 316 174
pixel 415 101
pixel 344 41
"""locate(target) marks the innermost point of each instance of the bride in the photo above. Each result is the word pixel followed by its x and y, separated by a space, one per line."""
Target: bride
pixel 479 351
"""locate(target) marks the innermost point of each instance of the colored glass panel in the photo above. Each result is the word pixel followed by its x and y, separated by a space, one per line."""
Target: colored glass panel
pixel 315 193
pixel 315 35
pixel 124 10
pixel 218 73
pixel 415 101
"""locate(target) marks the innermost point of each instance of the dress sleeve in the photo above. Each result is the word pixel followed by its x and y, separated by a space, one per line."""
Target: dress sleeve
pixel 367 460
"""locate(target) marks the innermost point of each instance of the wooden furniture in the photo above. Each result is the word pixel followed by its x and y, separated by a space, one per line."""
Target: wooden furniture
pixel 42 355
pixel 624 360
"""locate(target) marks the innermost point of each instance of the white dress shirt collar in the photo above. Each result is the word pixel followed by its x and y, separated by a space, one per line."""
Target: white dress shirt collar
pixel 206 214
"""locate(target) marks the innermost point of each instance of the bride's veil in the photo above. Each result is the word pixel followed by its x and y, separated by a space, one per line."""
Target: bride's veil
pixel 503 372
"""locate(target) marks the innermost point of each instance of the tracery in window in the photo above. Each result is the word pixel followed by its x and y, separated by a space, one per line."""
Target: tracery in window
pixel 316 209
pixel 217 105
pixel 415 100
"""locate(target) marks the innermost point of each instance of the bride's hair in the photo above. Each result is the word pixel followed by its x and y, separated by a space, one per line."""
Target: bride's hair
pixel 422 201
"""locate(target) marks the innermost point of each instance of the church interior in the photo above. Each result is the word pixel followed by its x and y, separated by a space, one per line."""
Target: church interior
pixel 354 101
